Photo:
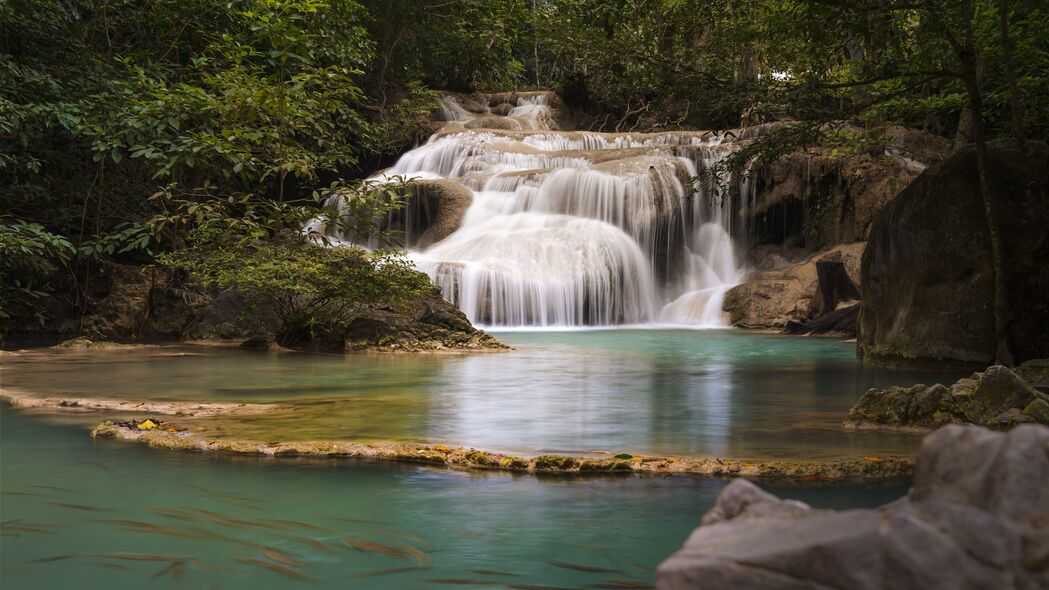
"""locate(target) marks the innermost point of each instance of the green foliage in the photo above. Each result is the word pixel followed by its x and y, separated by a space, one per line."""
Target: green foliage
pixel 130 126
pixel 359 210
pixel 460 45
pixel 314 290
pixel 670 63
pixel 29 255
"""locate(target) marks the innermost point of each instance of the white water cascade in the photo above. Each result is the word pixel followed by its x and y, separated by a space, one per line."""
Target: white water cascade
pixel 574 228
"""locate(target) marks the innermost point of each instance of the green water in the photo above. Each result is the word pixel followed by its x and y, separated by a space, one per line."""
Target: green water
pixel 715 393
pixel 463 521
pixel 721 393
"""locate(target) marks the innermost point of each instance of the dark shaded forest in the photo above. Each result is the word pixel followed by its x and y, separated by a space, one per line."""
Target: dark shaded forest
pixel 141 131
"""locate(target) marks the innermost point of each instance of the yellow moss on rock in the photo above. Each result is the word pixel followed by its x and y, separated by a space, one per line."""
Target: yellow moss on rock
pixel 466 458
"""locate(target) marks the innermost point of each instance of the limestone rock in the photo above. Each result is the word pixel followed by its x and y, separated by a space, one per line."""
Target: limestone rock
pixel 927 271
pixel 997 398
pixel 796 292
pixel 817 199
pixel 435 211
pixel 492 122
pixel 231 316
pixel 915 144
pixel 140 303
pixel 977 517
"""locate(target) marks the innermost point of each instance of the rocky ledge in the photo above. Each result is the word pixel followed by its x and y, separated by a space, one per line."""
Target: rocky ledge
pixel 23 400
pixel 156 303
pixel 998 398
pixel 977 517
pixel 190 436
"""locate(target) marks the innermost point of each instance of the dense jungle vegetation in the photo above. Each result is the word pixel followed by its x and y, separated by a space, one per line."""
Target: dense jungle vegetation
pixel 133 129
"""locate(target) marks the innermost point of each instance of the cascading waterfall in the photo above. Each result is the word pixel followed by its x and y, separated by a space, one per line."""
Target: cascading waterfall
pixel 574 228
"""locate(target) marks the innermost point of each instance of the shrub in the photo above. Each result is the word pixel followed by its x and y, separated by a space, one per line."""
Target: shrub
pixel 312 289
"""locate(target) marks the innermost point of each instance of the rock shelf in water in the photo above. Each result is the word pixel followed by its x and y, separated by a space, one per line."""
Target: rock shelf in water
pixel 866 468
pixel 998 398
pixel 171 408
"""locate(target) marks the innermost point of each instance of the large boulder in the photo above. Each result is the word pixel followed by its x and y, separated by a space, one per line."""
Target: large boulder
pixel 976 517
pixel 997 398
pixel 927 273
pixel 434 211
pixel 428 323
pixel 797 292
pixel 492 122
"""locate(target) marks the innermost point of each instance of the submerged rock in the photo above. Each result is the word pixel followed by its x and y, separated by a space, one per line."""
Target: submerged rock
pixel 976 517
pixel 191 436
pixel 997 398
pixel 928 278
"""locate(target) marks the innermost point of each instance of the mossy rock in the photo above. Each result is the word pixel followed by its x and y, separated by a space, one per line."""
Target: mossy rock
pixel 556 463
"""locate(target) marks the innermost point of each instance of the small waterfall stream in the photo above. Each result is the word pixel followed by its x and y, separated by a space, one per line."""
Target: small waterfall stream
pixel 575 228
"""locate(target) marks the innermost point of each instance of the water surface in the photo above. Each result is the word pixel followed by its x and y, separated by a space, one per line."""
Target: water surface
pixel 55 476
pixel 721 393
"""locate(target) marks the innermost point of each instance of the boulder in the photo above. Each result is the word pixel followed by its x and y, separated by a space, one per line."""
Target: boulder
pixel 433 324
pixel 840 322
pixel 502 109
pixel 492 122
pixel 916 144
pixel 976 517
pixel 997 398
pixel 927 273
pixel 157 303
pixel 797 292
pixel 435 211
pixel 429 324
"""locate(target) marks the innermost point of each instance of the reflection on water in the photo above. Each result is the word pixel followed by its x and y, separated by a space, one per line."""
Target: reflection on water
pixel 717 392
pixel 122 516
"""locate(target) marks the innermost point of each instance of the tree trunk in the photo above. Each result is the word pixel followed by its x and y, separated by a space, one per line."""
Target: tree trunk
pixel 964 134
pixel 1003 353
pixel 1010 72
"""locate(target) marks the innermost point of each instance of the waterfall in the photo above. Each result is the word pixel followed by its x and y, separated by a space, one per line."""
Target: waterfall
pixel 574 228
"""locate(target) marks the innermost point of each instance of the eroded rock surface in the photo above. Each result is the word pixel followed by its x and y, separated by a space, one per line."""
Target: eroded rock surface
pixel 797 292
pixel 817 199
pixel 435 211
pixel 977 517
pixel 928 278
pixel 997 398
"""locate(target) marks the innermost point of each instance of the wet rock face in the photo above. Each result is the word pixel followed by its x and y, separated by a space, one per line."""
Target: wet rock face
pixel 816 200
pixel 435 211
pixel 927 272
pixel 997 398
pixel 976 517
pixel 140 303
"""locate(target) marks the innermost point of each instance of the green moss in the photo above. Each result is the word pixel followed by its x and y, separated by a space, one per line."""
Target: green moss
pixel 556 463
pixel 514 463
pixel 481 458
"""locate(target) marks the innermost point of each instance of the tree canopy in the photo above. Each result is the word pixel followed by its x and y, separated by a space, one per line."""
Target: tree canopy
pixel 123 125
